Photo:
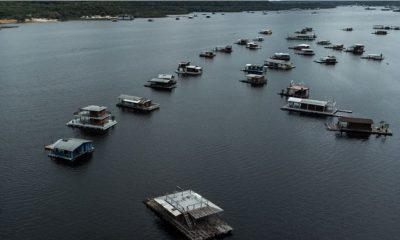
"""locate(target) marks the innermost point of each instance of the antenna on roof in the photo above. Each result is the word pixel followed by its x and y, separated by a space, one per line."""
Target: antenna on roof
pixel 179 188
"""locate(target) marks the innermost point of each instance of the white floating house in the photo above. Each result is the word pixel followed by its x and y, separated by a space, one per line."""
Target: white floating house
pixel 92 117
pixel 310 106
pixel 193 215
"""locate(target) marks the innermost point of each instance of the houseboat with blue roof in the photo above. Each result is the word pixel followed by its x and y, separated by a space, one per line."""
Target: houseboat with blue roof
pixel 70 149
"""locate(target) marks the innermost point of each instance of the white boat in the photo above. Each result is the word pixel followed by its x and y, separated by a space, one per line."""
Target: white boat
pixel 328 60
pixel 242 41
pixel 310 106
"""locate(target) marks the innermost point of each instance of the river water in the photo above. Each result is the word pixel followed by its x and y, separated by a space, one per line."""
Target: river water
pixel 276 175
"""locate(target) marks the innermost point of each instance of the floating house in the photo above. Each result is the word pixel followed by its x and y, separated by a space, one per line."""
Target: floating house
pixel 70 149
pixel 338 47
pixel 224 49
pixel 255 79
pixel 300 46
pixel 278 64
pixel 137 103
pixel 306 37
pixel 190 213
pixel 324 42
pixel 266 32
pixel 207 54
pixel 254 69
pixel 242 41
pixel 298 90
pixel 252 46
pixel 348 29
pixel 356 49
pixel 162 82
pixel 328 60
pixel 376 57
pixel 93 117
pixel 185 68
pixel 380 32
pixel 309 106
pixel 306 52
pixel 359 125
pixel 281 56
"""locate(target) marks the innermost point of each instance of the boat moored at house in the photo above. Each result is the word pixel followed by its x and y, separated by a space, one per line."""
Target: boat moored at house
pixel 70 149
pixel 207 54
pixel 306 52
pixel 224 49
pixel 254 69
pixel 328 60
pixel 93 117
pixel 298 90
pixel 376 57
pixel 278 64
pixel 281 56
pixel 356 49
pixel 300 46
pixel 359 125
pixel 255 79
pixel 310 106
pixel 137 103
pixel 185 68
pixel 190 213
pixel 252 46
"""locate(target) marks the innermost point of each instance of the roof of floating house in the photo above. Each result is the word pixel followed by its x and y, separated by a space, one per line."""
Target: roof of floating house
pixel 133 99
pixel 356 120
pixel 308 101
pixel 159 80
pixel 189 202
pixel 93 108
pixel 69 144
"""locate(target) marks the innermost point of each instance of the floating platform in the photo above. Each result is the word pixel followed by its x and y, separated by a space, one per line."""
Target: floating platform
pixel 194 216
pixel 377 131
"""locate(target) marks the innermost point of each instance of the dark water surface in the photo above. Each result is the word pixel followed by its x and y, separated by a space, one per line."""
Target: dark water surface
pixel 277 175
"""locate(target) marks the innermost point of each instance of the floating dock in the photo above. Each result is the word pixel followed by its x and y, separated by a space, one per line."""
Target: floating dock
pixel 190 213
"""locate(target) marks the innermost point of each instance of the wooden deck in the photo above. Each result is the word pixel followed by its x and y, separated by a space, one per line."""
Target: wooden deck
pixel 199 231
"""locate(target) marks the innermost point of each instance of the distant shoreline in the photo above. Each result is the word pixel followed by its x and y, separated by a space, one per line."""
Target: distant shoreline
pixel 20 12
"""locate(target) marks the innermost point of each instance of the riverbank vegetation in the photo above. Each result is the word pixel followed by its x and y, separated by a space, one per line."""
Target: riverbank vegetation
pixel 74 10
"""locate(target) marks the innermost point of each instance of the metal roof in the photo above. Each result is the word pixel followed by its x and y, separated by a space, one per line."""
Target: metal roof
pixel 93 108
pixel 160 80
pixel 308 101
pixel 356 120
pixel 130 98
pixel 166 76
pixel 69 144
pixel 188 201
